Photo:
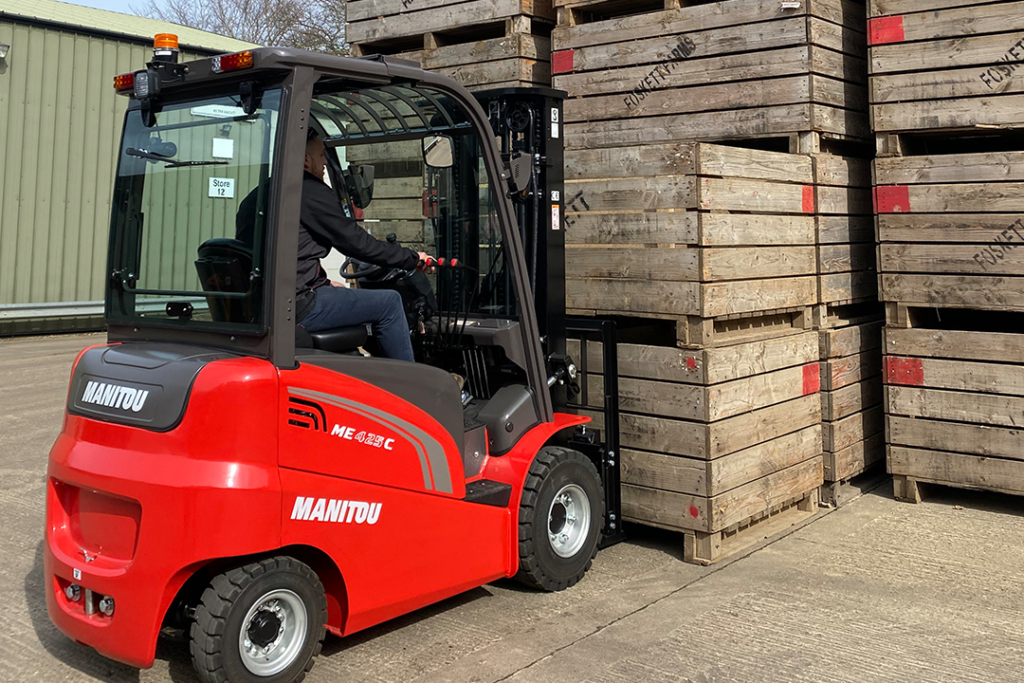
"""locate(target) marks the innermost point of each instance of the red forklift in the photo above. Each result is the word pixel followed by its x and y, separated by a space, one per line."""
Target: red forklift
pixel 227 477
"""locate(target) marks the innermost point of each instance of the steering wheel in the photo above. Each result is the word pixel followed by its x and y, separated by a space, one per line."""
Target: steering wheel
pixel 362 269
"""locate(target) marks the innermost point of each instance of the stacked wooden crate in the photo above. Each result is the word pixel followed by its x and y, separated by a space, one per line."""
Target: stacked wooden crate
pixel 713 245
pixel 947 96
pixel 649 71
pixel 480 43
pixel 849 320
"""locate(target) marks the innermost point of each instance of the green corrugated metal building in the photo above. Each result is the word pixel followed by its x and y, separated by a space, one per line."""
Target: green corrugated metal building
pixel 59 126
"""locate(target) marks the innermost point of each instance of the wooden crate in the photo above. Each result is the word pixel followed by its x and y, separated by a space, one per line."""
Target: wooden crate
pixel 845 239
pixel 697 230
pixel 851 399
pixel 480 43
pixel 397 205
pixel 949 228
pixel 638 73
pixel 713 438
pixel 954 400
pixel 945 64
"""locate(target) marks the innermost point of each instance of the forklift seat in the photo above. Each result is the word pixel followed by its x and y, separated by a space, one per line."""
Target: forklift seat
pixel 224 265
pixel 335 340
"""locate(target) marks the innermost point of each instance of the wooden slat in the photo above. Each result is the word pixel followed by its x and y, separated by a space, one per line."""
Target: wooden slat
pixel 958 259
pixel 994 293
pixel 955 406
pixel 850 341
pixel 841 372
pixel 878 8
pixel 964 21
pixel 844 200
pixel 848 287
pixel 630 162
pixel 962 375
pixel 631 228
pixel 843 258
pixel 942 85
pixel 952 436
pixel 989 167
pixel 635 194
pixel 957 469
pixel 706 366
pixel 938 55
pixel 957 344
pixel 719 229
pixel 851 399
pixel 443 16
pixel 972 112
pixel 845 229
pixel 852 460
pixel 950 227
pixel 755 263
pixel 841 434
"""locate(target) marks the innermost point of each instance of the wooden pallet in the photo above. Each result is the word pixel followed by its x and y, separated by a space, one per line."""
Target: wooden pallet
pixel 949 226
pixel 954 398
pixel 638 73
pixel 708 548
pixel 838 493
pixel 945 65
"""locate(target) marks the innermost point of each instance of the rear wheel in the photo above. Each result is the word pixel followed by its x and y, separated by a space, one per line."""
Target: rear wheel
pixel 560 519
pixel 261 622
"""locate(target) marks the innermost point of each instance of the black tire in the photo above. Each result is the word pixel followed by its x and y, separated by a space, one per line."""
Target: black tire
pixel 540 564
pixel 226 602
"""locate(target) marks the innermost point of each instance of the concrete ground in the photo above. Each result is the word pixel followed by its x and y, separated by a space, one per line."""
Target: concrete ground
pixel 875 591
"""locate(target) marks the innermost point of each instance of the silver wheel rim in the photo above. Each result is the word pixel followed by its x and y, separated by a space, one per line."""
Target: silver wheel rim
pixel 275 656
pixel 569 520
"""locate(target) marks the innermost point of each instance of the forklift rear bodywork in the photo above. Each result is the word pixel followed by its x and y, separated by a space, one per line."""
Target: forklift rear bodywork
pixel 199 443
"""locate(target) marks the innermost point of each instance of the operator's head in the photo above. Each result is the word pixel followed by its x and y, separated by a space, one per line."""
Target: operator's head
pixel 316 159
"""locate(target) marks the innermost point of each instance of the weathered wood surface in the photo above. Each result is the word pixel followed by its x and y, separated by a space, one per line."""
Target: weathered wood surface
pixel 962 375
pixel 878 8
pixel 954 291
pixel 960 22
pixel 636 297
pixel 706 366
pixel 676 510
pixel 953 406
pixel 1006 258
pixel 702 265
pixel 957 469
pixel 709 441
pixel 852 460
pixel 838 435
pixel 427 16
pixel 946 228
pixel 841 171
pixel 699 18
pixel 722 125
pixel 850 341
pixel 988 167
pixel 964 197
pixel 845 229
pixel 843 258
pixel 852 399
pixel 970 439
pixel 713 477
pixel 1000 347
pixel 837 373
pixel 848 287
pixel 973 112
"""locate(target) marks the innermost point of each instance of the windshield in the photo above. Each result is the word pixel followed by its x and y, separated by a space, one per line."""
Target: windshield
pixel 188 224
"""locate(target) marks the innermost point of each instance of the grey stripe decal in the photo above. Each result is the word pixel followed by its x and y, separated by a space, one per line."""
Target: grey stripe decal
pixel 434 450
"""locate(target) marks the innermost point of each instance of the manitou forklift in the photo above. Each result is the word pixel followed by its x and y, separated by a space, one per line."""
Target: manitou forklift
pixel 223 475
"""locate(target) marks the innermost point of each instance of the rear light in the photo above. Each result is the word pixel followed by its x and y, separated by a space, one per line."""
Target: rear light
pixel 124 82
pixel 141 85
pixel 233 62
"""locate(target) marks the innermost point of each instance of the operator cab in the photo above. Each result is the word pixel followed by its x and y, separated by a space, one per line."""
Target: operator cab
pixel 206 214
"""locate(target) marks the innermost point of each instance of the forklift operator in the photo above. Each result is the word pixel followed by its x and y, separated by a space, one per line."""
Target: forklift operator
pixel 320 303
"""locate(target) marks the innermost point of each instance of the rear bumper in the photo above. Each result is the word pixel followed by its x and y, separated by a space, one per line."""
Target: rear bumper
pixel 169 515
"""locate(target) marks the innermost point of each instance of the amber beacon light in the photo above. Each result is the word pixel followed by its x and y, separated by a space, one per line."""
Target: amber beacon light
pixel 165 47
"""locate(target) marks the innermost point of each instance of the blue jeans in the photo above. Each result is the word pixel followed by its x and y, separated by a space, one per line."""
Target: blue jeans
pixel 343 307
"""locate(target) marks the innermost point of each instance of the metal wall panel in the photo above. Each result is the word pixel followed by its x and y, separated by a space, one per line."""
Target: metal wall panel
pixel 60 123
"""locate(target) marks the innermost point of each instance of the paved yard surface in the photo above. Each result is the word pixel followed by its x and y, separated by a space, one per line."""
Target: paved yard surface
pixel 876 591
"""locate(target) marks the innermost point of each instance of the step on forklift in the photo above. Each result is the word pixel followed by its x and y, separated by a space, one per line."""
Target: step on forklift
pixel 222 475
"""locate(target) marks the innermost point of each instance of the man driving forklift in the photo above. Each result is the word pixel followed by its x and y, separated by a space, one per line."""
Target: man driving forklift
pixel 321 303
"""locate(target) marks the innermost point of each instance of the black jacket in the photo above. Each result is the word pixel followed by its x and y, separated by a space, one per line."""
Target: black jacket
pixel 323 225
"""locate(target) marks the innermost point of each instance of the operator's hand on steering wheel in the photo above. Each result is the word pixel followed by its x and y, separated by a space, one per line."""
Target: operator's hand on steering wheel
pixel 337 284
pixel 426 263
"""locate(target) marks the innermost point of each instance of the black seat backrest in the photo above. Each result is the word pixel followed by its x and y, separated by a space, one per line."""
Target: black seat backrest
pixel 224 265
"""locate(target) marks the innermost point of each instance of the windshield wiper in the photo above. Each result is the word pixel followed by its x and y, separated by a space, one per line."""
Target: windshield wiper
pixel 171 163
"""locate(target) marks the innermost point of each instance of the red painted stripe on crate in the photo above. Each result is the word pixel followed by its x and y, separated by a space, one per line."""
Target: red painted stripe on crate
pixel 691 363
pixel 808 199
pixel 562 62
pixel 904 371
pixel 694 512
pixel 892 199
pixel 812 379
pixel 884 30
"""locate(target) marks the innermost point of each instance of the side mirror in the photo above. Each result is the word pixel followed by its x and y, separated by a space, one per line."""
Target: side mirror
pixel 359 181
pixel 438 152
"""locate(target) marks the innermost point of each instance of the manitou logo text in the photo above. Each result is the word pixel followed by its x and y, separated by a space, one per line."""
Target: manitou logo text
pixel 342 511
pixel 114 396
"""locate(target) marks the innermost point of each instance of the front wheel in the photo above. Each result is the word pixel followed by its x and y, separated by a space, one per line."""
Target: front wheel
pixel 560 519
pixel 260 623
